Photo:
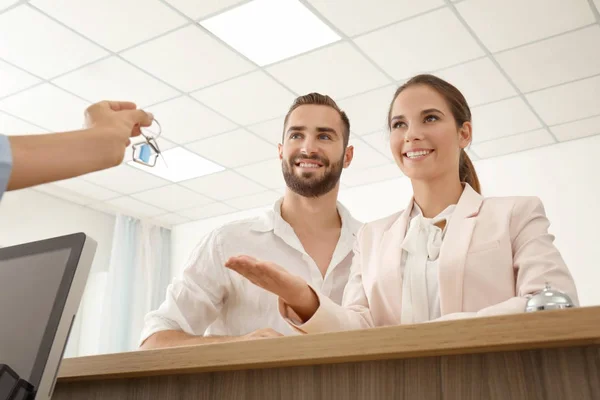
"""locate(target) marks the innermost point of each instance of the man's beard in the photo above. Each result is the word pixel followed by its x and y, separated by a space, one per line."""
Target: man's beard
pixel 308 185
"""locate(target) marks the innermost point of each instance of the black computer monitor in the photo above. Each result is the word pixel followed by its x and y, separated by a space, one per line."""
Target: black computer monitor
pixel 41 285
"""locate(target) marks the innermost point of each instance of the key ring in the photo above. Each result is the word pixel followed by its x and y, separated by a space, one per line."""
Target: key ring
pixel 149 133
pixel 147 152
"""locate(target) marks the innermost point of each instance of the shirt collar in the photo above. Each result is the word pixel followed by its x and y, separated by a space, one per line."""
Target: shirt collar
pixel 416 210
pixel 272 218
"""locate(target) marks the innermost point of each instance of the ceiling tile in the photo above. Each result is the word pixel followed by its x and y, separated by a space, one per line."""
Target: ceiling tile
pixel 4 4
pixel 364 155
pixel 125 179
pixel 14 126
pixel 314 72
pixel 223 185
pixel 47 106
pixel 65 194
pixel 180 117
pixel 271 131
pixel 135 207
pixel 380 141
pixel 197 9
pixel 210 210
pixel 366 15
pixel 51 48
pixel 254 201
pixel 267 173
pixel 480 81
pixel 262 30
pixel 443 41
pixel 529 20
pixel 248 99
pixel 367 111
pixel 172 198
pixel 202 61
pixel 105 208
pixel 578 129
pixel 503 118
pixel 89 17
pixel 87 189
pixel 13 80
pixel 566 102
pixel 513 144
pixel 370 175
pixel 234 149
pixel 114 78
pixel 171 219
pixel 554 61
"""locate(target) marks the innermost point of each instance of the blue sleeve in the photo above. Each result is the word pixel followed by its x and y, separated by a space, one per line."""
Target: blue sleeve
pixel 5 163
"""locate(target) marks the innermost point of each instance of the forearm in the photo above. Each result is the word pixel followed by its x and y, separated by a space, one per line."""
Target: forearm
pixel 514 305
pixel 305 305
pixel 178 338
pixel 39 159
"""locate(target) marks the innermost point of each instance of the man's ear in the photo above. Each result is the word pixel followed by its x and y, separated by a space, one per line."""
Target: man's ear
pixel 280 151
pixel 348 156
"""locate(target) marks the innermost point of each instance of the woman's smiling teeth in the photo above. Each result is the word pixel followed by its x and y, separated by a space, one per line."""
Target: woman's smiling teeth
pixel 417 154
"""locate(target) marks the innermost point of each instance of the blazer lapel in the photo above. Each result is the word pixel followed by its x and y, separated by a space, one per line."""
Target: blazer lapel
pixel 454 250
pixel 391 259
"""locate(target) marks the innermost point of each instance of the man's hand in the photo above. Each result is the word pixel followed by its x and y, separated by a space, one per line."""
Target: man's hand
pixel 292 289
pixel 121 119
pixel 261 334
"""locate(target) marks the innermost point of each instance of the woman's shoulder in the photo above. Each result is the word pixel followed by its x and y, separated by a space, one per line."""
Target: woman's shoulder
pixel 381 225
pixel 513 204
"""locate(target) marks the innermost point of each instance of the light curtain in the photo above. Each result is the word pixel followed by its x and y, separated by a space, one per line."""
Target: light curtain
pixel 136 282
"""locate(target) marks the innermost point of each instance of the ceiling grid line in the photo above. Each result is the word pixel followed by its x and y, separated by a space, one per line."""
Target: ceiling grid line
pixel 502 71
pixel 160 80
pixel 595 10
pixel 346 39
pixel 524 109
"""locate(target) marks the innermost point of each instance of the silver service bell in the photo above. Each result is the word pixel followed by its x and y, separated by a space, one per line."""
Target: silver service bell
pixel 548 299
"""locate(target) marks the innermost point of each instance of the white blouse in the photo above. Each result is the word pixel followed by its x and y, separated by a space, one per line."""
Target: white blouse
pixel 419 266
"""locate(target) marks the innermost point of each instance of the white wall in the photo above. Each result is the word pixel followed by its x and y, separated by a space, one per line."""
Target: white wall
pixel 28 215
pixel 565 176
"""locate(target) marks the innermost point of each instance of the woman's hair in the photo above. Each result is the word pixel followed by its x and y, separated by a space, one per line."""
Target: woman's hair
pixel 460 111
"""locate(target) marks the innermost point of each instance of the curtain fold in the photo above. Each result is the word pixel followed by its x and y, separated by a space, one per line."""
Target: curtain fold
pixel 137 278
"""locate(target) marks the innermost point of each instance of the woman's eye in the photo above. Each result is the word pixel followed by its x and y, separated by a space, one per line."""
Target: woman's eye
pixel 431 118
pixel 398 125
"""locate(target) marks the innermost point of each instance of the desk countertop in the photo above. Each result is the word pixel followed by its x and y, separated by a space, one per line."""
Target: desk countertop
pixel 564 328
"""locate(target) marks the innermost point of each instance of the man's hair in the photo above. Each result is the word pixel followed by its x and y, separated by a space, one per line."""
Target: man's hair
pixel 320 100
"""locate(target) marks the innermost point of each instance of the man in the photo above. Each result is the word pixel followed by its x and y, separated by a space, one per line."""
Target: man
pixel 307 230
pixel 31 160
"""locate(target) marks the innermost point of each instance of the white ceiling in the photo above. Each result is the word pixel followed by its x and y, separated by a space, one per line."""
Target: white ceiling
pixel 529 68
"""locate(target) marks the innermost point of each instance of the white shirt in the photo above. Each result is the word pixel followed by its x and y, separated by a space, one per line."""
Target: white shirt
pixel 211 300
pixel 419 269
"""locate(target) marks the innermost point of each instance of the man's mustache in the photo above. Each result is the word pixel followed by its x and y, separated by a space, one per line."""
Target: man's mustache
pixel 312 157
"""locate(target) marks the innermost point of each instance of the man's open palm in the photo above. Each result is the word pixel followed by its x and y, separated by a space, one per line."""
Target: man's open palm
pixel 269 276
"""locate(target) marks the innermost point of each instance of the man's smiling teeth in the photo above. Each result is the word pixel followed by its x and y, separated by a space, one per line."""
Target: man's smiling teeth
pixel 414 154
pixel 309 165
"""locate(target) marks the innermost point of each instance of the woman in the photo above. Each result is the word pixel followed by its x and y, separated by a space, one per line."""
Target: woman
pixel 450 254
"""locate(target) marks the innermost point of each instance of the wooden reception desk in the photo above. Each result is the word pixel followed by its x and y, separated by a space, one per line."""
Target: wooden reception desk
pixel 545 355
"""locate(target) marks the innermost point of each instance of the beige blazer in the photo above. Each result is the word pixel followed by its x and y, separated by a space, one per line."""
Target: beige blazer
pixel 496 251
